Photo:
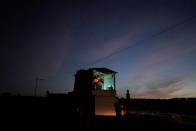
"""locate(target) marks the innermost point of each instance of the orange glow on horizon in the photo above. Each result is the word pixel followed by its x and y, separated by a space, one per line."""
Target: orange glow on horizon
pixel 106 113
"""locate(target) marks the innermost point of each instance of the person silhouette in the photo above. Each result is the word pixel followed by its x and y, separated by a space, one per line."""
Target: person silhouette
pixel 98 82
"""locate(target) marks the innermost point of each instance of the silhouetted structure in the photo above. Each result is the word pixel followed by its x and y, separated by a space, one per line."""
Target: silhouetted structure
pixel 128 95
pixel 95 92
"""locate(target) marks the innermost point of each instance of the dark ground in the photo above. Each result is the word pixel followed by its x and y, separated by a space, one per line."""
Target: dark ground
pixel 39 113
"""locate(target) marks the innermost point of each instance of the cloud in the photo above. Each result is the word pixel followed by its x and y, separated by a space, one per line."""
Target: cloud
pixel 164 83
pixel 159 93
pixel 172 47
pixel 162 88
pixel 116 44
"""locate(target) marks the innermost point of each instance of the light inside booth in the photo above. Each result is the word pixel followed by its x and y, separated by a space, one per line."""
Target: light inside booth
pixel 103 81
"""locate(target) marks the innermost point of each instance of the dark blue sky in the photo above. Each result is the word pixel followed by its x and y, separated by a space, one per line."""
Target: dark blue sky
pixel 150 43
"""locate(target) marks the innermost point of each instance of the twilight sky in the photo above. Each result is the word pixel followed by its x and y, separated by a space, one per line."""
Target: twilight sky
pixel 150 43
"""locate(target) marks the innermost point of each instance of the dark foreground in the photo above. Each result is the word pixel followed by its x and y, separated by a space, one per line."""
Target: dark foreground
pixel 100 122
pixel 59 120
pixel 19 113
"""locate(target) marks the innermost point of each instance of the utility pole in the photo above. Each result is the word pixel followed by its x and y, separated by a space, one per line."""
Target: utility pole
pixel 37 79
